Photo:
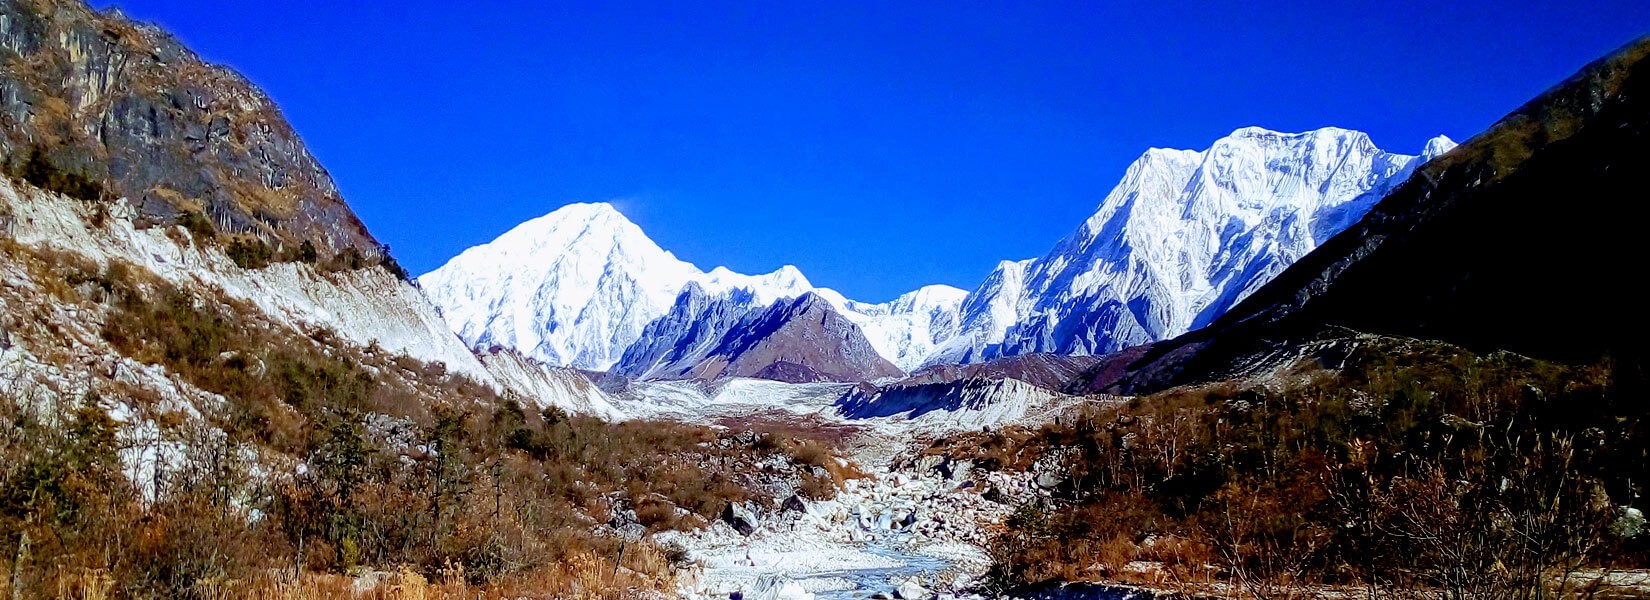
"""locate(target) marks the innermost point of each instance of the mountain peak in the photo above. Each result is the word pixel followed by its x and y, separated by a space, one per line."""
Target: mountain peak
pixel 580 285
pixel 1447 256
pixel 1183 236
pixel 596 215
pixel 931 295
pixel 1437 146
pixel 590 211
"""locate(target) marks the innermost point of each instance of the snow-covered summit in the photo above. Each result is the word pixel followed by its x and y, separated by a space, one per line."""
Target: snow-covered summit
pixel 1183 237
pixel 576 287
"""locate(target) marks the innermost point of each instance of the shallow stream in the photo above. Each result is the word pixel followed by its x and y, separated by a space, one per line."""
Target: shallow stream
pixel 874 580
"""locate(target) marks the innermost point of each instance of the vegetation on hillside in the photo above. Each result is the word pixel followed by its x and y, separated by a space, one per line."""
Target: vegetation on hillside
pixel 324 460
pixel 1417 471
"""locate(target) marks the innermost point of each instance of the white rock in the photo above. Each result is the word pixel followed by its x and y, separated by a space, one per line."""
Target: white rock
pixel 911 589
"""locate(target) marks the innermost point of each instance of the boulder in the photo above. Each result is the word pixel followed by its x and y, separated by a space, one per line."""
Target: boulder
pixel 1049 480
pixel 912 590
pixel 992 494
pixel 795 504
pixel 741 517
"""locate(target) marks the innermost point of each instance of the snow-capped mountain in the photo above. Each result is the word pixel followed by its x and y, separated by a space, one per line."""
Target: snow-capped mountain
pixel 1181 239
pixel 577 287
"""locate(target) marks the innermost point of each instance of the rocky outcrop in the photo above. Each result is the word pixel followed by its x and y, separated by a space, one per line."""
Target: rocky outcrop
pixel 670 345
pixel 127 108
pixel 1516 240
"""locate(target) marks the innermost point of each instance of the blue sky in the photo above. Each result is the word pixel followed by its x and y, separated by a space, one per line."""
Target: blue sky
pixel 878 146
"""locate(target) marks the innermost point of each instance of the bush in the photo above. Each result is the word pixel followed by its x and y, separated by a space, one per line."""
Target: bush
pixel 197 225
pixel 389 263
pixel 249 253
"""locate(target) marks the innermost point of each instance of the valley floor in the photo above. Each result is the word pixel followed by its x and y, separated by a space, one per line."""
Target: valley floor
pixel 891 528
pixel 909 525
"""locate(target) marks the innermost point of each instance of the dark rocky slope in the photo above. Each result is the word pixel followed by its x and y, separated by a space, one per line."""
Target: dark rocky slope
pixel 121 109
pixel 1049 371
pixel 672 344
pixel 798 340
pixel 1526 238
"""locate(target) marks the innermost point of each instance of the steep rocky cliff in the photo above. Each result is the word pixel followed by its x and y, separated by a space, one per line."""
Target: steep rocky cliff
pixel 98 106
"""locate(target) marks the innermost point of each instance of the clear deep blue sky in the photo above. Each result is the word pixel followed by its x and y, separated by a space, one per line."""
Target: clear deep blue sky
pixel 877 145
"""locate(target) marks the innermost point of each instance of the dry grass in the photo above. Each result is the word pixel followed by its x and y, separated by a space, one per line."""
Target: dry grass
pixel 1421 469
pixel 581 577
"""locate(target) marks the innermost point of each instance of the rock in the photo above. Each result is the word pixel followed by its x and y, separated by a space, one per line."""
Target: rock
pixel 1049 480
pixel 795 504
pixel 162 119
pixel 622 518
pixel 741 518
pixel 776 587
pixel 1630 524
pixel 897 518
pixel 912 590
pixel 929 463
pixel 992 494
